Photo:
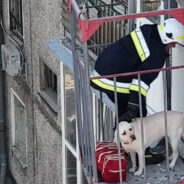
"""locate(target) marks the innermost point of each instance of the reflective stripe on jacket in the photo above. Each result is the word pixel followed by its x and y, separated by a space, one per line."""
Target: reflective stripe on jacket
pixel 140 44
pixel 121 87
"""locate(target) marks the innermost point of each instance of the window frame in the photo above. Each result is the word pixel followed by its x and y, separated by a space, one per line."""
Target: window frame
pixel 66 145
pixel 48 86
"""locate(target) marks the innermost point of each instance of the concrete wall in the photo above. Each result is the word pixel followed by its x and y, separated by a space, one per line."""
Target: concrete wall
pixel 41 22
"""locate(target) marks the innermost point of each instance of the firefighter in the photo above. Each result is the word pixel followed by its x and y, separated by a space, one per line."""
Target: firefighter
pixel 145 48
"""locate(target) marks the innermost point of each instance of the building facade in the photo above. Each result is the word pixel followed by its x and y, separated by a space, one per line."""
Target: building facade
pixel 32 95
pixel 42 147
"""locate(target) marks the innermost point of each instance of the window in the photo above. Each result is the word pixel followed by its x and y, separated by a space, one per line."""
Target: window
pixel 70 108
pixel 72 170
pixel 16 17
pixel 19 129
pixel 151 5
pixel 48 85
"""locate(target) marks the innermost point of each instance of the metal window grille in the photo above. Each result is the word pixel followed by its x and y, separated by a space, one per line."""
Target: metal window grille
pixel 20 140
pixel 16 24
pixel 111 31
pixel 71 168
pixel 50 79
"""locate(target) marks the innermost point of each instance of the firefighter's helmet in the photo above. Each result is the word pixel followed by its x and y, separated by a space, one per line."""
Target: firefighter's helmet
pixel 171 31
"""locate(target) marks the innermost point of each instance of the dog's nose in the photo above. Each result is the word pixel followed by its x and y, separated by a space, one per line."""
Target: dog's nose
pixel 132 136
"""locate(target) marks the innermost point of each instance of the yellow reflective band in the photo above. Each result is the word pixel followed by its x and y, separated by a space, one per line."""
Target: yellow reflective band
pixel 180 37
pixel 148 156
pixel 110 87
pixel 161 27
pixel 136 88
pixel 138 45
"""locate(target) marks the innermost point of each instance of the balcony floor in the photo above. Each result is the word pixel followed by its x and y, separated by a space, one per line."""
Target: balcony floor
pixel 156 174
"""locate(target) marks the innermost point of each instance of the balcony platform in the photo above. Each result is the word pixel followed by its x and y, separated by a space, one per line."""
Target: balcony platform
pixel 156 174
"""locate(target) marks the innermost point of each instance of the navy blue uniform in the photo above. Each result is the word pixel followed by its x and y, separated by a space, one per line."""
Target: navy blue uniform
pixel 122 57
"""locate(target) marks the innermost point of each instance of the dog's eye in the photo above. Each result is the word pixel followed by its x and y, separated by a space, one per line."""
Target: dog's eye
pixel 130 129
pixel 124 133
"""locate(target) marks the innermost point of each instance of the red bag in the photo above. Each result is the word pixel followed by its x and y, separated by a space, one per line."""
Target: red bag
pixel 111 171
pixel 102 149
pixel 181 182
pixel 108 162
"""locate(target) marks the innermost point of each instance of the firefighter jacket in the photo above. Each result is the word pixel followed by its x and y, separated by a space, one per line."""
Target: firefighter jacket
pixel 141 50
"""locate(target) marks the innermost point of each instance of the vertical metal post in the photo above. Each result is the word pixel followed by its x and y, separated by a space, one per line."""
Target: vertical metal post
pixel 117 127
pixel 167 5
pixel 131 9
pixel 101 116
pixel 98 119
pixel 83 131
pixel 77 101
pixel 89 111
pixel 87 131
pixel 165 118
pixel 142 127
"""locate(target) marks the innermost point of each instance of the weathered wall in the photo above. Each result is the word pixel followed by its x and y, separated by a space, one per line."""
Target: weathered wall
pixel 41 22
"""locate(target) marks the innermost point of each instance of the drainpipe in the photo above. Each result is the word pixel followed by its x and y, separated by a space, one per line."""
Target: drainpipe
pixel 3 163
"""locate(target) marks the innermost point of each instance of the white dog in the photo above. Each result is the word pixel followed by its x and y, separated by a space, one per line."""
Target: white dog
pixel 154 129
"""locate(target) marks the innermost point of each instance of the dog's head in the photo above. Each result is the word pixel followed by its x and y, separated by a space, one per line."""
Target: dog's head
pixel 126 132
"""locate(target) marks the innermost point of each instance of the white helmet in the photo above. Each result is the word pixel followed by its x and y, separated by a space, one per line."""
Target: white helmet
pixel 171 31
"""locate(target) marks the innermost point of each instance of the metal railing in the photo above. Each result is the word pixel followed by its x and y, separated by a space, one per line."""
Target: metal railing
pixel 100 112
pixel 87 132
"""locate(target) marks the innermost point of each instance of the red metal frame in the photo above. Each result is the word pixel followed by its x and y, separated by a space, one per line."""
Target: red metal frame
pixel 88 27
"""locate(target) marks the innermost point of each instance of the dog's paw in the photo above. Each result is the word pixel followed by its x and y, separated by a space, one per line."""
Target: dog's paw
pixel 132 169
pixel 138 173
pixel 171 165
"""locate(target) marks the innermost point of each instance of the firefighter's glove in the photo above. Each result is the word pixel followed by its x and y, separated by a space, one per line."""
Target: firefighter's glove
pixel 131 113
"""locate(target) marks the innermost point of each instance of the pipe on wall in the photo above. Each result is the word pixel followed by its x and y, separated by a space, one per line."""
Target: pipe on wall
pixel 3 160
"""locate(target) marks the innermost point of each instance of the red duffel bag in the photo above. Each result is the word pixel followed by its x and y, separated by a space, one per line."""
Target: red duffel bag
pixel 181 182
pixel 103 149
pixel 107 159
pixel 111 170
